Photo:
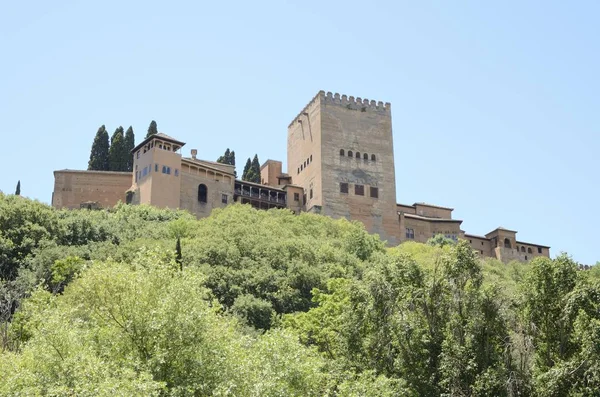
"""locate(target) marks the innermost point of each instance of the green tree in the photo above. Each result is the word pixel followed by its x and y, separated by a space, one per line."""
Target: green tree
pixel 228 158
pixel 18 189
pixel 255 170
pixel 247 168
pixel 152 129
pixel 178 256
pixel 100 149
pixel 129 145
pixel 117 156
pixel 440 240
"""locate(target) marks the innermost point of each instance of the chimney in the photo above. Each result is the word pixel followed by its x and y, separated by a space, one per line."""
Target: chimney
pixel 194 153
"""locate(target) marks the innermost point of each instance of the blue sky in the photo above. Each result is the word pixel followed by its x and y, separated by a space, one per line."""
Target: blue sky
pixel 495 106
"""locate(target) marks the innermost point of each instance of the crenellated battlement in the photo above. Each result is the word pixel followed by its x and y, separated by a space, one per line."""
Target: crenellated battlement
pixel 350 102
pixel 357 103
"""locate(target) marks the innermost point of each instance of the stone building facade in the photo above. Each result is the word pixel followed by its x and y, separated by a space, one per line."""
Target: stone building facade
pixel 340 163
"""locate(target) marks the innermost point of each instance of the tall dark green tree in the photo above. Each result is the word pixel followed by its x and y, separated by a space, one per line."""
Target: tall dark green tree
pixel 247 168
pixel 152 129
pixel 129 145
pixel 255 170
pixel 18 190
pixel 99 154
pixel 178 256
pixel 117 154
pixel 228 158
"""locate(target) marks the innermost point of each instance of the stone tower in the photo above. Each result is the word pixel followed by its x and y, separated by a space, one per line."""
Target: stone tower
pixel 340 150
pixel 156 172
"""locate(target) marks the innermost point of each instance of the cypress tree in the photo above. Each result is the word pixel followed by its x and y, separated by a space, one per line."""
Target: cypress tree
pixel 232 162
pixel 117 160
pixel 129 145
pixel 255 170
pixel 228 158
pixel 18 190
pixel 152 129
pixel 224 159
pixel 178 256
pixel 99 153
pixel 247 168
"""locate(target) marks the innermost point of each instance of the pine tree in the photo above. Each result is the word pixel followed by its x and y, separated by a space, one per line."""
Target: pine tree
pixel 117 160
pixel 247 168
pixel 99 153
pixel 152 129
pixel 129 145
pixel 255 170
pixel 18 190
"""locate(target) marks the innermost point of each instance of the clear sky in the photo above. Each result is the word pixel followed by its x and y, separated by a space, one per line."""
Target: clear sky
pixel 495 107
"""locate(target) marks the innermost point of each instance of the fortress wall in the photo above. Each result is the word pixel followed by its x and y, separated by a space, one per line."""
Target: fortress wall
pixel 107 188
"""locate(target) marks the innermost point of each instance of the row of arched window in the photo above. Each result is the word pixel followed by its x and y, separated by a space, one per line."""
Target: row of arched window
pixel 365 156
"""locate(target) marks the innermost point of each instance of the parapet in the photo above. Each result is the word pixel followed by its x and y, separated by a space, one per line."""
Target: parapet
pixel 350 102
pixel 356 103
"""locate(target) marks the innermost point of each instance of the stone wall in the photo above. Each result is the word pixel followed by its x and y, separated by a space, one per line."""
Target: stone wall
pixel 107 188
pixel 216 186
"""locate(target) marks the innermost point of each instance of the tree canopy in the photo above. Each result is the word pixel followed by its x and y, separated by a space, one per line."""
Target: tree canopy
pixel 136 300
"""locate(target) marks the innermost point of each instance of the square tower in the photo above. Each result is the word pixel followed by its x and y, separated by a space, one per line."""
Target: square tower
pixel 340 150
pixel 156 171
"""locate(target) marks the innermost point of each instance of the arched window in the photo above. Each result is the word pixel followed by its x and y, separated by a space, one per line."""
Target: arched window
pixel 507 243
pixel 365 156
pixel 529 251
pixel 202 193
pixel 342 152
pixel 349 153
pixel 357 155
pixel 373 157
pixel 522 249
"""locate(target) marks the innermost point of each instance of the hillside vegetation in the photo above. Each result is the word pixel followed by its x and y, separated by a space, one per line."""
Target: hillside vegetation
pixel 267 303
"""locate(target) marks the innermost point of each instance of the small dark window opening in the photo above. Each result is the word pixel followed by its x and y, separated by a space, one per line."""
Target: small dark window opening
pixel 349 153
pixel 481 252
pixel 373 157
pixel 311 157
pixel 365 156
pixel 359 190
pixel 224 198
pixel 357 155
pixel 311 194
pixel 296 196
pixel 482 243
pixel 539 250
pixel 343 187
pixel 410 233
pixel 374 192
pixel 525 257
pixel 507 243
pixel 529 251
pixel 470 241
pixel 522 249
pixel 202 193
pixel 342 152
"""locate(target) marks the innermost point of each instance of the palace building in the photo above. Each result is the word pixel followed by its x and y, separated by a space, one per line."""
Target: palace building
pixel 340 163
